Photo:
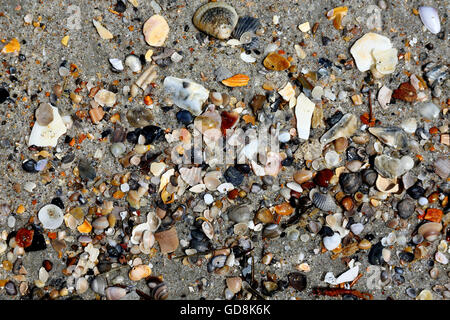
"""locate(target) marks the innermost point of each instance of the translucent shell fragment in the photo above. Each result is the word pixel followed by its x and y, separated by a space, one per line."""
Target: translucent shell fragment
pixel 238 80
pixel 337 14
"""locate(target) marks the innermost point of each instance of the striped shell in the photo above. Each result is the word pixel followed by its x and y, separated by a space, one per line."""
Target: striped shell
pixel 217 19
pixel 246 24
pixel 238 80
pixel 322 201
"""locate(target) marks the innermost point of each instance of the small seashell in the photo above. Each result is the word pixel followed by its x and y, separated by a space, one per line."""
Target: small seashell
pixel 102 31
pixel 51 216
pixel 276 62
pixel 384 96
pixel 363 48
pixel 134 63
pixel 156 30
pixel 234 284
pixel 337 14
pixel 441 258
pixel 191 176
pixel 85 227
pixel 297 281
pixel 430 230
pixel 429 111
pixel 350 182
pixel 217 19
pixel 246 24
pixel 322 201
pixel 271 231
pixel 186 94
pixel 139 272
pixel 168 240
pixel 82 285
pixel 100 223
pixel 208 229
pixel 105 98
pixel 430 18
pixel 98 285
pixel 425 295
pixel 116 64
pixel 345 127
pixel 303 113
pixel 442 167
pixel 238 80
pixel 332 242
pixel 47 135
pixel 115 293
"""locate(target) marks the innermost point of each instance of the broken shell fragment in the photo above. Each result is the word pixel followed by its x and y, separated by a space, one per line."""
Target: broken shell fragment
pixel 384 96
pixel 216 19
pixel 105 98
pixel 168 240
pixel 246 25
pixel 362 50
pixel 322 201
pixel 47 136
pixel 276 62
pixel 51 216
pixel 337 14
pixel 303 113
pixel 139 272
pixel 115 293
pixel 390 167
pixel 430 19
pixel 385 60
pixel 186 94
pixel 156 30
pixel 345 127
pixel 392 136
pixel 102 31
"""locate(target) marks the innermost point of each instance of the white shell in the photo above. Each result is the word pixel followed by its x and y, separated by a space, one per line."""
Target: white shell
pixel 138 232
pixel 347 276
pixel 303 113
pixel 364 46
pixel 186 94
pixel 384 96
pixel 430 18
pixel 82 285
pixel 247 57
pixel 47 136
pixel 191 176
pixel 153 221
pixel 116 63
pixel 287 92
pixel 51 216
pixel 198 188
pixel 385 60
pixel 332 242
pixel 133 62
pixel 208 229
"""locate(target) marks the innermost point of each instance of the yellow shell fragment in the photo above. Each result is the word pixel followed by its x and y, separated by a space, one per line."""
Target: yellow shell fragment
pixel 276 62
pixel 65 41
pixel 156 30
pixel 12 46
pixel 85 227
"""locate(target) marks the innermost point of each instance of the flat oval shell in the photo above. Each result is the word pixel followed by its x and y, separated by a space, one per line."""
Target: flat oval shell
pixel 156 30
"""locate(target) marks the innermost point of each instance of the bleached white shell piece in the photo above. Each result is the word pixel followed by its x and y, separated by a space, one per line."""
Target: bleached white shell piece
pixel 430 19
pixel 384 96
pixel 51 216
pixel 347 276
pixel 102 31
pixel 332 242
pixel 363 48
pixel 198 188
pixel 287 92
pixel 186 94
pixel 138 231
pixel 47 136
pixel 303 113
pixel 191 176
pixel 385 60
pixel 105 98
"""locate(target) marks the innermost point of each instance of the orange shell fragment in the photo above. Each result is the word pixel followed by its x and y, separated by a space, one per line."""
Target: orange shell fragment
pixel 276 62
pixel 12 46
pixel 284 209
pixel 434 215
pixel 238 80
pixel 85 227
pixel 337 14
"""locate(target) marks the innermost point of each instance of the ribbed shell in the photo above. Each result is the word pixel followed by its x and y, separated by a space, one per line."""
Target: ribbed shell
pixel 324 202
pixel 246 24
pixel 217 19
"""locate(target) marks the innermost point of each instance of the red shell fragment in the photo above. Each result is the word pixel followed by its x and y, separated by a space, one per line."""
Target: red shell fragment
pixel 24 237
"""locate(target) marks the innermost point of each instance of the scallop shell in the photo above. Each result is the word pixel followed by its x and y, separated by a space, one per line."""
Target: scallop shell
pixel 51 216
pixel 217 19
pixel 442 167
pixel 322 201
pixel 430 18
pixel 139 272
pixel 246 24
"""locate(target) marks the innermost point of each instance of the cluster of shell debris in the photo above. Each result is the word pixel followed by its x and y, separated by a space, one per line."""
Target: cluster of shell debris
pixel 358 175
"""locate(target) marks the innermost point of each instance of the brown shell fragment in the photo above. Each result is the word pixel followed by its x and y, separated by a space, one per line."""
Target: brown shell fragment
pixel 337 14
pixel 168 240
pixel 276 62
pixel 405 92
